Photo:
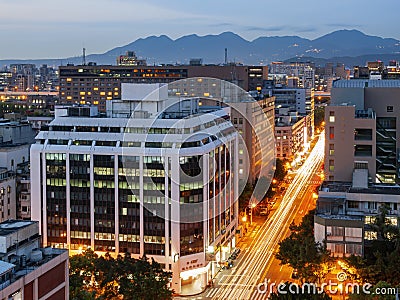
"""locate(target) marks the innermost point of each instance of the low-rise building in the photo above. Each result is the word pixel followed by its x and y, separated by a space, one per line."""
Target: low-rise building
pixel 346 212
pixel 27 271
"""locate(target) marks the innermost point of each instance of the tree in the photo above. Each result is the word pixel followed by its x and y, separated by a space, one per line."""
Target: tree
pixel 280 170
pixel 319 116
pixel 94 277
pixel 301 252
pixel 381 261
pixel 146 280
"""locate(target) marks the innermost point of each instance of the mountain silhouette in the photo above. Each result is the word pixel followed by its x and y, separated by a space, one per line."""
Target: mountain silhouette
pixel 262 50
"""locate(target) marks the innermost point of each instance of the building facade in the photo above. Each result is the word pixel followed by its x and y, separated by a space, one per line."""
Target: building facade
pixel 375 112
pixel 97 84
pixel 346 213
pixel 27 271
pixel 165 187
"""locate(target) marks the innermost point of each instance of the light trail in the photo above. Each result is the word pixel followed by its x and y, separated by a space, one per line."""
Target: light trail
pixel 248 274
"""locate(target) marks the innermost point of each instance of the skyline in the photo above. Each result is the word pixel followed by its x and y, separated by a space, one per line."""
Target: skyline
pixel 38 30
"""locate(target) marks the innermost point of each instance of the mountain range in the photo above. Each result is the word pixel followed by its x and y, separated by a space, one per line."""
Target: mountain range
pixel 345 44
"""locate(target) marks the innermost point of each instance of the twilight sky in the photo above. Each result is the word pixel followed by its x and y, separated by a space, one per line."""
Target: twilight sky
pixel 61 28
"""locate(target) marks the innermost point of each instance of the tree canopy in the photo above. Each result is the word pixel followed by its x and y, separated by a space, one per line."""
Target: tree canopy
pixel 301 252
pixel 381 261
pixel 103 277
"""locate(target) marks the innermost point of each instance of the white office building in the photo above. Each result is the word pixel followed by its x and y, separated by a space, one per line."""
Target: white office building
pixel 164 186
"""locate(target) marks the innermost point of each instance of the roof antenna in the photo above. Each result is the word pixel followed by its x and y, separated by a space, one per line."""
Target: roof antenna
pixel 84 57
pixel 226 56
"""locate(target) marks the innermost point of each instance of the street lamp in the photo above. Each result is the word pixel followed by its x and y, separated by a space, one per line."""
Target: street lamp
pixel 251 212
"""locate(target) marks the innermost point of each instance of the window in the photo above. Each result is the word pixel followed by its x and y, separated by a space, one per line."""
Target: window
pixel 331 133
pixel 361 134
pixel 352 204
pixel 331 165
pixel 362 150
pixel 389 108
pixel 331 149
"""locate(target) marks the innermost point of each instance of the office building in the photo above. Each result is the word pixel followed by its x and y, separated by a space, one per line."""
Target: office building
pixel 362 125
pixel 96 84
pixel 27 271
pixel 161 181
pixel 130 59
pixel 304 72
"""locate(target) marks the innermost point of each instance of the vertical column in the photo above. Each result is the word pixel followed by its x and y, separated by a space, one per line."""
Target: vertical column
pixel 166 210
pixel 68 198
pixel 36 289
pixel 175 223
pixel 92 201
pixel 66 280
pixel 141 205
pixel 116 197
pixel 206 197
pixel 38 183
pixel 234 172
pixel 44 197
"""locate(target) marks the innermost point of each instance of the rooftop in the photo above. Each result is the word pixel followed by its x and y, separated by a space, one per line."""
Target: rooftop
pixel 367 83
pixel 346 187
pixel 11 226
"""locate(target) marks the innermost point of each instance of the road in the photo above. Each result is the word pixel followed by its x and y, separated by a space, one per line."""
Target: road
pixel 257 262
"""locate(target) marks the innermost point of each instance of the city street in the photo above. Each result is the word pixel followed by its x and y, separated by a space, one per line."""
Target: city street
pixel 256 262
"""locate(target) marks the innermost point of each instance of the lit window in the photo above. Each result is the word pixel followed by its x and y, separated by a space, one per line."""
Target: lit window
pixel 332 119
pixel 240 171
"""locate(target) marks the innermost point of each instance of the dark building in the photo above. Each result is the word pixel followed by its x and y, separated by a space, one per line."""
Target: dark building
pixel 95 84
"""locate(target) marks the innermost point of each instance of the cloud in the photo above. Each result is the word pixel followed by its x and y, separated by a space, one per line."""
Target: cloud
pixel 223 24
pixel 268 28
pixel 281 28
pixel 341 25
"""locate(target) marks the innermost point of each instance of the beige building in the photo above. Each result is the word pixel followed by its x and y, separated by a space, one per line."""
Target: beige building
pixel 346 211
pixel 255 123
pixel 290 136
pixel 362 124
pixel 350 138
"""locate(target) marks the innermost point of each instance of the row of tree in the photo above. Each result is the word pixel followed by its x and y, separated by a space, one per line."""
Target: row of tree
pixel 300 251
pixel 264 188
pixel 104 277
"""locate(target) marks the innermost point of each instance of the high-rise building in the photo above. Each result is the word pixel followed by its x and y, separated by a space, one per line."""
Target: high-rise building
pixel 162 183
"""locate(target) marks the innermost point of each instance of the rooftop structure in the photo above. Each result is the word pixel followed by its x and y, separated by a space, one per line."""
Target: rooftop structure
pixel 28 271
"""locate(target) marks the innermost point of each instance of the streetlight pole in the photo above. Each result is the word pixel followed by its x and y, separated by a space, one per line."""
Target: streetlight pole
pixel 251 213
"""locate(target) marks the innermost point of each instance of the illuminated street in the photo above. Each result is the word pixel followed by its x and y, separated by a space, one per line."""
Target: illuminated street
pixel 256 262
